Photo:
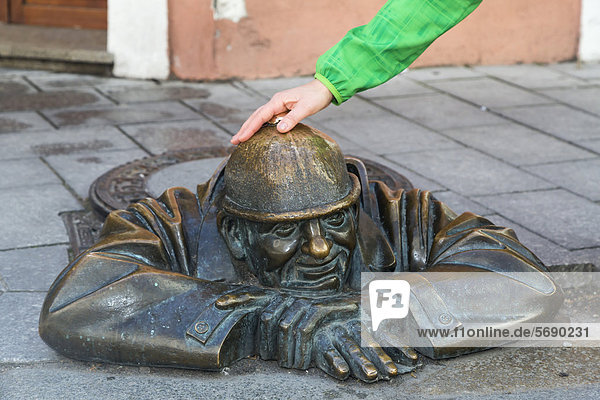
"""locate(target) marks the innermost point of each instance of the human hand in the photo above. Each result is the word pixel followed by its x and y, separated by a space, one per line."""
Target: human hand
pixel 301 102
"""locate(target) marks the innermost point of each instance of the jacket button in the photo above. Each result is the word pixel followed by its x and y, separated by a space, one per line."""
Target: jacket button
pixel 445 318
pixel 201 327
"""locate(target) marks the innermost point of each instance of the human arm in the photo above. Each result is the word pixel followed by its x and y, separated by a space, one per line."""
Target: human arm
pixel 367 56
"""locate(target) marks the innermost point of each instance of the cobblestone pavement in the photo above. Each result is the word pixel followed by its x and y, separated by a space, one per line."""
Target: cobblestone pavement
pixel 518 144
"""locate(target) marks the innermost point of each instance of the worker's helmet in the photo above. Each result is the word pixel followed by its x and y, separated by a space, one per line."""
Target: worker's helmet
pixel 281 177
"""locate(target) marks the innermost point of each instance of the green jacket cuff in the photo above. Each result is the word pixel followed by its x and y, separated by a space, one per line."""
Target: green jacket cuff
pixel 337 98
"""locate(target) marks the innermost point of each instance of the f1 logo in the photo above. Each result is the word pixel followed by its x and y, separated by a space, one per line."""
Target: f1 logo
pixel 389 299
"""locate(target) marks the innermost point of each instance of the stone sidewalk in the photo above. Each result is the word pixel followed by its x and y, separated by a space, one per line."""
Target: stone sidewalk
pixel 518 144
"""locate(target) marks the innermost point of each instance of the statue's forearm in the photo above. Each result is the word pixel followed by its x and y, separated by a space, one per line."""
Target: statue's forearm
pixel 112 309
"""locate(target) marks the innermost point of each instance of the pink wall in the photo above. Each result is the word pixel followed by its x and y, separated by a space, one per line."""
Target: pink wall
pixel 284 38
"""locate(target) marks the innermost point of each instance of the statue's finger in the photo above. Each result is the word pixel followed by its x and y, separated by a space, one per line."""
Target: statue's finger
pixel 382 361
pixel 239 299
pixel 360 365
pixel 269 326
pixel 305 330
pixel 285 338
pixel 315 316
pixel 328 359
pixel 404 356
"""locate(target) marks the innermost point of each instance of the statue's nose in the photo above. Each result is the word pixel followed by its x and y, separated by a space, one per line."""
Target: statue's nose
pixel 316 245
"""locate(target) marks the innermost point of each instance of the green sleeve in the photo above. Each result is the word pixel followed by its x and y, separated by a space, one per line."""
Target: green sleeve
pixel 371 54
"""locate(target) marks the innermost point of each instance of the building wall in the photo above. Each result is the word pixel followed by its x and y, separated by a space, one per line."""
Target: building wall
pixel 137 36
pixel 255 39
pixel 589 48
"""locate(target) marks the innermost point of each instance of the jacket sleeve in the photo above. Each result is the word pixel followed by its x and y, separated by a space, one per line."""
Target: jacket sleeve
pixel 370 55
pixel 132 298
pixel 463 269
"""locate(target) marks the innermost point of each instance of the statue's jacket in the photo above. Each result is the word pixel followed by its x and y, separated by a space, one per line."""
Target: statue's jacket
pixel 145 292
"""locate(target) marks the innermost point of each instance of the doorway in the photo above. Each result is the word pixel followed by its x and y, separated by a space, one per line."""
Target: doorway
pixel 84 14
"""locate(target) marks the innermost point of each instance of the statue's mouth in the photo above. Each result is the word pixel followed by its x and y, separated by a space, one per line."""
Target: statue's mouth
pixel 316 271
pixel 319 278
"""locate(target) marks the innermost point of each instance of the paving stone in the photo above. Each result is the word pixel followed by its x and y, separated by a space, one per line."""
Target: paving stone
pixel 490 93
pixel 441 73
pixel 50 100
pixel 188 175
pixel 30 215
pixel 159 137
pixel 583 256
pixel 19 315
pixel 80 171
pixel 32 269
pixel 143 112
pixel 356 107
pixel 225 99
pixel 545 250
pixel 587 98
pixel 388 134
pixel 156 93
pixel 564 218
pixel 18 72
pixel 397 86
pixel 417 180
pixel 534 375
pixel 460 204
pixel 582 177
pixel 227 105
pixel 61 81
pixel 518 145
pixel 64 141
pixel 468 172
pixel 22 122
pixel 593 145
pixel 530 76
pixel 268 87
pixel 30 172
pixel 580 70
pixel 440 111
pixel 14 86
pixel 558 120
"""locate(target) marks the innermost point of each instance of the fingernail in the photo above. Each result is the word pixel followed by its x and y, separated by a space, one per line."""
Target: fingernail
pixel 282 126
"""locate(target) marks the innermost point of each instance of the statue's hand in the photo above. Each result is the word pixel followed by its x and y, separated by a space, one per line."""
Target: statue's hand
pixel 288 326
pixel 337 352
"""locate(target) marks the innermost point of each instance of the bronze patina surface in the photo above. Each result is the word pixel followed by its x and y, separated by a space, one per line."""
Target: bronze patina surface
pixel 265 259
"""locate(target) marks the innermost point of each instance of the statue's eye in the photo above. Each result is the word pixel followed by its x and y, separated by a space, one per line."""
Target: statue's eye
pixel 336 219
pixel 284 230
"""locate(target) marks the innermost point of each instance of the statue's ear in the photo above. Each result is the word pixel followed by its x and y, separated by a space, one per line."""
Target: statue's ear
pixel 232 231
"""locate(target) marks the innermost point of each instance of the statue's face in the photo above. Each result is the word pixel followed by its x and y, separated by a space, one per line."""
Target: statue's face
pixel 305 255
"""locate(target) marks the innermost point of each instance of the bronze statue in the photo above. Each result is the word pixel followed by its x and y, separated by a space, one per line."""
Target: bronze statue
pixel 265 259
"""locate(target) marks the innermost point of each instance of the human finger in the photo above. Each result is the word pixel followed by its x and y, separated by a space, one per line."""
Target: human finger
pixel 263 114
pixel 298 113
pixel 328 359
